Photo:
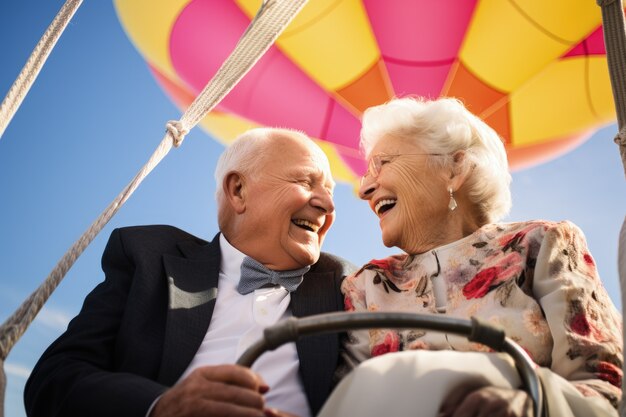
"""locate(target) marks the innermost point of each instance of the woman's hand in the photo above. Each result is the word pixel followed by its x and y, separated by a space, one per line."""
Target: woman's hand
pixel 488 402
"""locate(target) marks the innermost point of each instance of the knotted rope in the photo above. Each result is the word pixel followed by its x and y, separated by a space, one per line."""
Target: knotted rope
pixel 35 62
pixel 270 21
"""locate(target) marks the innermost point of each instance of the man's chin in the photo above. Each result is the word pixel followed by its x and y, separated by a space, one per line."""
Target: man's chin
pixel 305 256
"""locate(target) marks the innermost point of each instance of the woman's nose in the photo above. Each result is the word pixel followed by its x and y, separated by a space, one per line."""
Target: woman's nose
pixel 368 186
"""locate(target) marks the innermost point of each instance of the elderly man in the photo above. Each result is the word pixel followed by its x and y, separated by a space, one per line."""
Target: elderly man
pixel 160 335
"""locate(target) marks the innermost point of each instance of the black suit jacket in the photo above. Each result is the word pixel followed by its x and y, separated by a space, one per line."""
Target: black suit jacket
pixel 139 329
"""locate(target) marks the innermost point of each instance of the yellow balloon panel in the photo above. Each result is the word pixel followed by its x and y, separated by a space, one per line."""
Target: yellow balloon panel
pixel 227 127
pixel 504 48
pixel 583 16
pixel 148 24
pixel 600 89
pixel 332 41
pixel 555 103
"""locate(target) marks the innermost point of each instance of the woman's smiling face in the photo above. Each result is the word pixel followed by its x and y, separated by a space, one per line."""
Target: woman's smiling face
pixel 409 194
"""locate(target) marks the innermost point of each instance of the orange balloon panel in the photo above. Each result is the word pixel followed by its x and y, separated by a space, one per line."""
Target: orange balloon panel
pixel 536 74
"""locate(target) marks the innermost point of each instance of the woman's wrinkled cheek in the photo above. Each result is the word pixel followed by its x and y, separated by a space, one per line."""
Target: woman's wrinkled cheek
pixel 418 207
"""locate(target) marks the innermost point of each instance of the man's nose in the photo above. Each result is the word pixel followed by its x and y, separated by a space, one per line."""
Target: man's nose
pixel 323 200
pixel 368 186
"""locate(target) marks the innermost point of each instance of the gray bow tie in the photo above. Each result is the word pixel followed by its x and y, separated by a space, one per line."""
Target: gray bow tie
pixel 255 275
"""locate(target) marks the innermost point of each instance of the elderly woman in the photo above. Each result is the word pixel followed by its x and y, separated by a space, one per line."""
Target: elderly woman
pixel 438 181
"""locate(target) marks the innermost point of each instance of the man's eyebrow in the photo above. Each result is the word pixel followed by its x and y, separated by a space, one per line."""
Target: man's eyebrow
pixel 306 171
pixel 315 172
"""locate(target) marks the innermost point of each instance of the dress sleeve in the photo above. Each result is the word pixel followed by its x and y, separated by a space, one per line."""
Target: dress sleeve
pixel 357 346
pixel 584 324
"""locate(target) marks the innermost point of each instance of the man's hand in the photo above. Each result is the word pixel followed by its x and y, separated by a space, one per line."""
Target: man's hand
pixel 224 390
pixel 488 402
pixel 272 412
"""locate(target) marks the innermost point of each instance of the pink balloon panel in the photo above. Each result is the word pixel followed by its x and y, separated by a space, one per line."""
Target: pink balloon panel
pixel 592 45
pixel 419 64
pixel 274 93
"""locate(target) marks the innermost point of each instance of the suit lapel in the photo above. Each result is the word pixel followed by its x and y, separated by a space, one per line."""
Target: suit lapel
pixel 192 290
pixel 318 354
pixel 316 295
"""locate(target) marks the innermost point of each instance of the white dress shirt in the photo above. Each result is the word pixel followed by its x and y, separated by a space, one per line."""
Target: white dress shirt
pixel 238 321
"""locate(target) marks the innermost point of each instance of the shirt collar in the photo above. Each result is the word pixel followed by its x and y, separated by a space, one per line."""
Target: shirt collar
pixel 232 258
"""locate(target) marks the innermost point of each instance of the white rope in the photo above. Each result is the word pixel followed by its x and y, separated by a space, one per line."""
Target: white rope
pixel 257 39
pixel 270 21
pixel 274 16
pixel 35 62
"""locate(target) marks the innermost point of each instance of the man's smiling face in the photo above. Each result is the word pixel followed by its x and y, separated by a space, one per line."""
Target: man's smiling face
pixel 289 205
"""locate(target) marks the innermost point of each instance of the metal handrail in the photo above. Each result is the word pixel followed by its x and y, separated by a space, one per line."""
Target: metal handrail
pixel 293 328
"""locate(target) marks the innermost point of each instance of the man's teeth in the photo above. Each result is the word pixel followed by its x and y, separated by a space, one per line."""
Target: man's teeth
pixel 382 203
pixel 306 224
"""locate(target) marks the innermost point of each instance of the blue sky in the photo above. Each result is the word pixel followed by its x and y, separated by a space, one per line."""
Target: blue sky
pixel 95 115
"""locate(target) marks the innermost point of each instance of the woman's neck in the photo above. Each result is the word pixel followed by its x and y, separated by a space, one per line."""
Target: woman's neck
pixel 430 234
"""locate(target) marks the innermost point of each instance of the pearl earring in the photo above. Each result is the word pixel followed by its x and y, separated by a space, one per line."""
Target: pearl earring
pixel 452 204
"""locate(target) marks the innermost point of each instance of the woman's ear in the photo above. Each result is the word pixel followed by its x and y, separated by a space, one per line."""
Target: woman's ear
pixel 235 191
pixel 461 168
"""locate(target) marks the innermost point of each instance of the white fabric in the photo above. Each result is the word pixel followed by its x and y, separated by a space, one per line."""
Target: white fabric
pixel 238 321
pixel 415 384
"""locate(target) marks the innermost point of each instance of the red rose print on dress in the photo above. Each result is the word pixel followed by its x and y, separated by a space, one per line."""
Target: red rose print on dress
pixel 348 303
pixel 492 277
pixel 376 264
pixel 610 373
pixel 390 344
pixel 481 283
pixel 579 324
pixel 380 263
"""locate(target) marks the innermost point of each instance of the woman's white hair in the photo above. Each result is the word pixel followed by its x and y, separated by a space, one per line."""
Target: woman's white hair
pixel 246 154
pixel 445 126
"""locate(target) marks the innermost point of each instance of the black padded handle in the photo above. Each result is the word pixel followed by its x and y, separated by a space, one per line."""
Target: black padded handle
pixel 475 330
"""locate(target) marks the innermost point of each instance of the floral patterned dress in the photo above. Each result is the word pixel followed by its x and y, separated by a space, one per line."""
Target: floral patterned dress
pixel 535 279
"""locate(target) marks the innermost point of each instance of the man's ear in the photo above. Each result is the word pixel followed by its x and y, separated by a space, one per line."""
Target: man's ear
pixel 235 191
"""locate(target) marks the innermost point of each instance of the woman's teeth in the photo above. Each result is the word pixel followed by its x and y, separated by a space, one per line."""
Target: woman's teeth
pixel 384 205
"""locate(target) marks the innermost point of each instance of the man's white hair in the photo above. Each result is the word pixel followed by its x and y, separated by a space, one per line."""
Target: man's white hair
pixel 246 154
pixel 444 126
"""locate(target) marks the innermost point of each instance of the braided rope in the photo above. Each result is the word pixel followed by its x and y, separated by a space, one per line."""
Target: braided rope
pixel 272 18
pixel 35 62
pixel 615 41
